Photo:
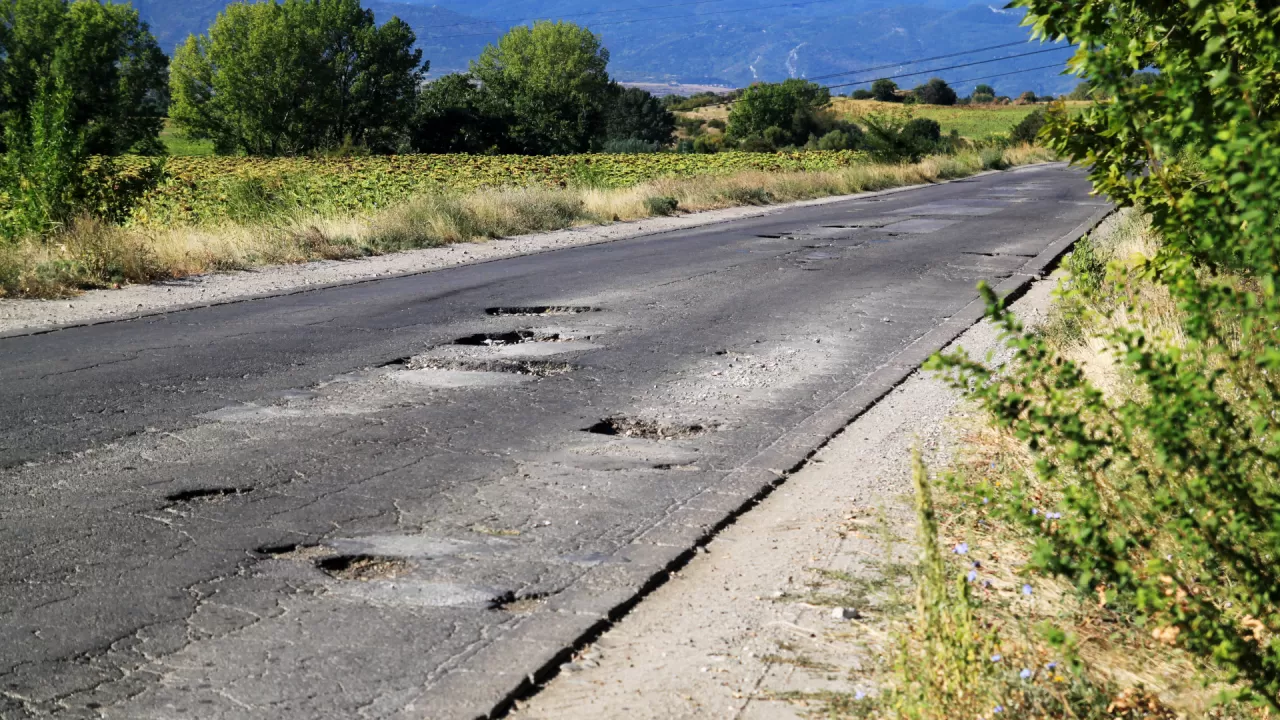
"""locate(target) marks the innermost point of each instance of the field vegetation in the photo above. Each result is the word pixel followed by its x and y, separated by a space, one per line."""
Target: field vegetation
pixel 237 222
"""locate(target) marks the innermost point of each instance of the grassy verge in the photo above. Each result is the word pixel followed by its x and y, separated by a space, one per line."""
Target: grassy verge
pixel 91 254
pixel 986 638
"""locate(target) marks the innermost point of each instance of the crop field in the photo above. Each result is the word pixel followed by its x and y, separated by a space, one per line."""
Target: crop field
pixel 971 121
pixel 209 190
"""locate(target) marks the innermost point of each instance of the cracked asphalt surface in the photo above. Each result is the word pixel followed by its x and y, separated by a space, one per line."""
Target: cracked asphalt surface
pixel 322 506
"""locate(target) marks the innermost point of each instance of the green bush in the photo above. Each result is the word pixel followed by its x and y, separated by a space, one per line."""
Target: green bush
pixel 1165 498
pixel 661 205
pixel 1028 130
pixel 42 173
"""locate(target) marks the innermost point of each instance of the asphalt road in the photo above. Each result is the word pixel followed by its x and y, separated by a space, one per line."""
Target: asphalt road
pixel 394 499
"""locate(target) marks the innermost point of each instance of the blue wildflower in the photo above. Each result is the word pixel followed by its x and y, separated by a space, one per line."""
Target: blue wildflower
pixel 972 576
pixel 999 709
pixel 997 658
pixel 961 548
pixel 1025 674
pixel 1026 590
pixel 859 695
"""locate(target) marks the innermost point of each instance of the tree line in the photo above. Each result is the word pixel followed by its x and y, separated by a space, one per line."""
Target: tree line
pixel 287 77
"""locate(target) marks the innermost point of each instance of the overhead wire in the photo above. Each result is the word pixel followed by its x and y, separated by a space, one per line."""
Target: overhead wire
pixel 913 62
pixel 954 67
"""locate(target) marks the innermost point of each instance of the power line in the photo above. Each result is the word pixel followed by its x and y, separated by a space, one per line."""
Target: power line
pixel 913 62
pixel 1015 72
pixel 653 19
pixel 583 14
pixel 955 67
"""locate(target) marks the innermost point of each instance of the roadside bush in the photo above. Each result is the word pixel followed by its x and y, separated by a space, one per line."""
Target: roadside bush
pixel 661 205
pixel 1162 500
pixel 1028 129
pixel 42 173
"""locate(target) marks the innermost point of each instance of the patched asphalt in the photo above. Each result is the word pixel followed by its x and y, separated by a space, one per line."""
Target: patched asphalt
pixel 403 498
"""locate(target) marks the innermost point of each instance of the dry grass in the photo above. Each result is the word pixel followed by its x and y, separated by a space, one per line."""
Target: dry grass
pixel 90 254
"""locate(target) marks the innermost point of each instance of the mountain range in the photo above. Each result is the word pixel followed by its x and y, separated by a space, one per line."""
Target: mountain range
pixel 723 42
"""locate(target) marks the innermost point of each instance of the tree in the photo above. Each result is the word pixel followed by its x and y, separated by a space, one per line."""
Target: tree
pixel 984 89
pixel 936 92
pixel 861 94
pixel 280 78
pixel 637 115
pixel 551 84
pixel 1083 91
pixel 454 116
pixel 790 106
pixel 884 90
pixel 101 54
pixel 983 99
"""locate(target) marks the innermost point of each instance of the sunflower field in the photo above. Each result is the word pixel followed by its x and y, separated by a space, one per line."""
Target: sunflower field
pixel 209 190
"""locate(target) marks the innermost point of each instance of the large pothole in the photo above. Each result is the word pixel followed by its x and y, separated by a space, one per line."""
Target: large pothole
pixel 536 368
pixel 364 568
pixel 647 429
pixel 207 494
pixel 539 310
pixel 514 337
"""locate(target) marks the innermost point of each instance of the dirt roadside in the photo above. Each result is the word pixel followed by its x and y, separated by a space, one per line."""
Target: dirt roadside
pixel 21 316
pixel 765 610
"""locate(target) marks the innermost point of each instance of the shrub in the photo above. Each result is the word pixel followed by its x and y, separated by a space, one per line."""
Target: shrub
pixel 717 123
pixel 935 92
pixel 1166 496
pixel 42 174
pixel 661 205
pixel 983 99
pixel 1028 129
pixel 840 140
pixel 755 144
pixel 708 144
pixel 884 90
pixel 861 94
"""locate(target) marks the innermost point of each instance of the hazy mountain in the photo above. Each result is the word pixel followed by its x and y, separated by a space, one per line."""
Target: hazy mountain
pixel 724 42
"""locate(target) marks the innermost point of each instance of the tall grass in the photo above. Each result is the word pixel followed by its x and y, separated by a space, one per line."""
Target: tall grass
pixel 92 254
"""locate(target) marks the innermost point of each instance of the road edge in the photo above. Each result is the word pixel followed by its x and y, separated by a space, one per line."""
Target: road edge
pixel 706 221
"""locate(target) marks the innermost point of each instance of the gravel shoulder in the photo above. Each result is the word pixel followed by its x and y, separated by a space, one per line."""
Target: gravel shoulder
pixel 752 618
pixel 22 316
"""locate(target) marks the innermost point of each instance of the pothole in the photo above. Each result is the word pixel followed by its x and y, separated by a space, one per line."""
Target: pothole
pixel 364 568
pixel 207 494
pixel 536 368
pixel 646 429
pixel 539 310
pixel 520 604
pixel 515 337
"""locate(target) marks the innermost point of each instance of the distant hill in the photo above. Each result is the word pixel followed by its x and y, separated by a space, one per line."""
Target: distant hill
pixel 724 43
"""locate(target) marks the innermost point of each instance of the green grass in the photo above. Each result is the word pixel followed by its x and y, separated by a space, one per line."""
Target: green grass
pixel 178 146
pixel 970 121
